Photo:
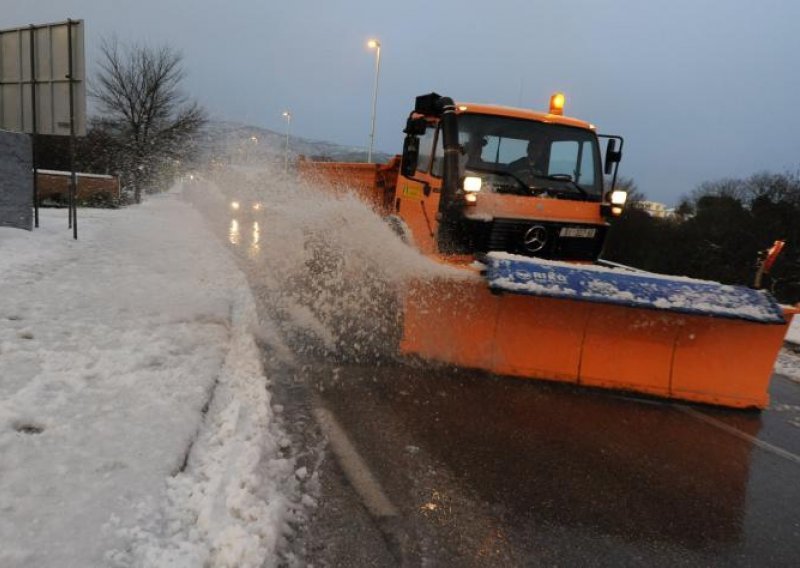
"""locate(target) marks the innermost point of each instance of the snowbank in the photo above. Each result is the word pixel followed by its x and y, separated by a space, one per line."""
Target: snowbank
pixel 135 420
pixel 793 335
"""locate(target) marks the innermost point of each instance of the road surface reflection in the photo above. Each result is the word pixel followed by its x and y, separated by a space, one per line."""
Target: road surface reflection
pixel 563 467
pixel 252 235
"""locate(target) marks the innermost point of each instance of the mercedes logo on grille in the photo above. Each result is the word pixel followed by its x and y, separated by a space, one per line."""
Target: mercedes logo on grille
pixel 535 238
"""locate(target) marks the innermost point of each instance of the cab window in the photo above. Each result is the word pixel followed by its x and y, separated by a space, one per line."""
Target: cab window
pixel 573 158
pixel 426 149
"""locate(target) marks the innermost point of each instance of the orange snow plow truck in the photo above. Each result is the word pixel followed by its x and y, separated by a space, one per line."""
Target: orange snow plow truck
pixel 515 199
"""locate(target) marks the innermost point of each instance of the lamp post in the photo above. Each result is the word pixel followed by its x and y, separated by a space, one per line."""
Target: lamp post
pixel 376 45
pixel 249 154
pixel 288 116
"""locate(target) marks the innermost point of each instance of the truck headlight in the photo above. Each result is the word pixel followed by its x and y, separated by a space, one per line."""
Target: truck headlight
pixel 472 184
pixel 619 197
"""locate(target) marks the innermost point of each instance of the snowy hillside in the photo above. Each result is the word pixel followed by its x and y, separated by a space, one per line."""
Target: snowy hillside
pixel 252 144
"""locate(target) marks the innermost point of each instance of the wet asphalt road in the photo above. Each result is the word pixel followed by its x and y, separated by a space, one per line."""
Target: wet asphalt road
pixel 500 472
pixel 488 471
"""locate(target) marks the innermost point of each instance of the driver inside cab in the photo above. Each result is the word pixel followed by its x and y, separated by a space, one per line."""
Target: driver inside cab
pixel 471 153
pixel 534 163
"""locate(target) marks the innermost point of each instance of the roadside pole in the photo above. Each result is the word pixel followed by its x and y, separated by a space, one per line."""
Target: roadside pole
pixel 34 128
pixel 73 186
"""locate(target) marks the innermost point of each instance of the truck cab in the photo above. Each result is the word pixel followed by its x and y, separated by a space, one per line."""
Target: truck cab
pixel 521 181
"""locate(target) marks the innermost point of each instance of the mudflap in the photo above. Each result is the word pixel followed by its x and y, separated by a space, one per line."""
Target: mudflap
pixel 675 354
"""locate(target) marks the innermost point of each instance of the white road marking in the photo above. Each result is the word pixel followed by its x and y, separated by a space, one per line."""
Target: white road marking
pixel 739 434
pixel 354 467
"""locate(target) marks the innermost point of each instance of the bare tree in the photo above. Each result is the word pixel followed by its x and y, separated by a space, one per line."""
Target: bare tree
pixel 137 88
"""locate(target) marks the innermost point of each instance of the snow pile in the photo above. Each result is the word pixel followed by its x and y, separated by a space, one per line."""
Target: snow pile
pixel 788 362
pixel 229 507
pixel 788 365
pixel 135 424
pixel 793 335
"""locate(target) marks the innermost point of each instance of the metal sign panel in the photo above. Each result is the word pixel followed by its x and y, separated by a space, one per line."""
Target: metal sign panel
pixel 16 181
pixel 51 61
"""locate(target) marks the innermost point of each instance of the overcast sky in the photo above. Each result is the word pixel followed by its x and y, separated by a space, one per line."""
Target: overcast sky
pixel 699 89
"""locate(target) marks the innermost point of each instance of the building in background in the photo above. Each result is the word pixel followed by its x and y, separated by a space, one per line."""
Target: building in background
pixel 654 209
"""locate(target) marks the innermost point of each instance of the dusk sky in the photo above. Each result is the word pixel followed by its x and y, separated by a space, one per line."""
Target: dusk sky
pixel 699 89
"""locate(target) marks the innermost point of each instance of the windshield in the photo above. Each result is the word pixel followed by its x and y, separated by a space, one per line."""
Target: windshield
pixel 530 157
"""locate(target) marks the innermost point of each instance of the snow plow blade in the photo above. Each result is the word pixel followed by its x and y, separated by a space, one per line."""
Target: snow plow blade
pixel 628 287
pixel 611 328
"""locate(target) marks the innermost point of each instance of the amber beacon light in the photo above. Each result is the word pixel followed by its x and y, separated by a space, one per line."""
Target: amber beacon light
pixel 557 103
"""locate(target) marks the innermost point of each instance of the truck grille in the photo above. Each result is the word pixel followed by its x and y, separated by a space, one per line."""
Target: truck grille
pixel 509 235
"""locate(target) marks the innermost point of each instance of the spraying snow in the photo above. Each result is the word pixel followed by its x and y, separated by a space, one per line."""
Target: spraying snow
pixel 328 270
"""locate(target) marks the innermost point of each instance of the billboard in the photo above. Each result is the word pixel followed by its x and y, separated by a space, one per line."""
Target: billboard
pixel 42 52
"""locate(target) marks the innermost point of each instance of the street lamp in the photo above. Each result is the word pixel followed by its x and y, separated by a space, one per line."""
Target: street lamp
pixel 376 45
pixel 288 116
pixel 247 151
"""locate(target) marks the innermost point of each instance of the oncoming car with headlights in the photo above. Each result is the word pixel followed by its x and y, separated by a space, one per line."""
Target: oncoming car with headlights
pixel 245 208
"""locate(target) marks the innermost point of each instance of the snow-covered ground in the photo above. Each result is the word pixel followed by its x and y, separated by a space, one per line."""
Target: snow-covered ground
pixel 135 419
pixel 794 331
pixel 788 363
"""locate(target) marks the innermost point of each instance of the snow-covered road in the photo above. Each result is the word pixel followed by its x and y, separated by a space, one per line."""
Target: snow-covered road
pixel 135 418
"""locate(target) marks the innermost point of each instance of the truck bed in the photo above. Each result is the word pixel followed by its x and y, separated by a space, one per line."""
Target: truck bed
pixel 373 183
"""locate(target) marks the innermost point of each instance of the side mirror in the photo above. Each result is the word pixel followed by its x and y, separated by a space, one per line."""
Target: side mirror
pixel 410 155
pixel 415 127
pixel 612 156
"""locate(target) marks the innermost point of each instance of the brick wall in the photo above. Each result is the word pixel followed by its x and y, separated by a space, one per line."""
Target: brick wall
pixel 54 186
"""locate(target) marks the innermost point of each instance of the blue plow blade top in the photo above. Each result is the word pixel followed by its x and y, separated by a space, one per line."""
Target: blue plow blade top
pixel 628 287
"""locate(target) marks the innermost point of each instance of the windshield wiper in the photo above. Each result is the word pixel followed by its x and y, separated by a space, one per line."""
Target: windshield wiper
pixel 567 178
pixel 524 186
pixel 533 189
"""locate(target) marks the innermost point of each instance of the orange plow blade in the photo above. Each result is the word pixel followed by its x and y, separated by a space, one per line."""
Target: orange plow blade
pixel 694 357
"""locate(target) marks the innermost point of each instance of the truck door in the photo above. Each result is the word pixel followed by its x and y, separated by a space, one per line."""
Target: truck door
pixel 417 197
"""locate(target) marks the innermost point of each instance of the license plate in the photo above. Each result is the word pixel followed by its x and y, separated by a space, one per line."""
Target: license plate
pixel 578 232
